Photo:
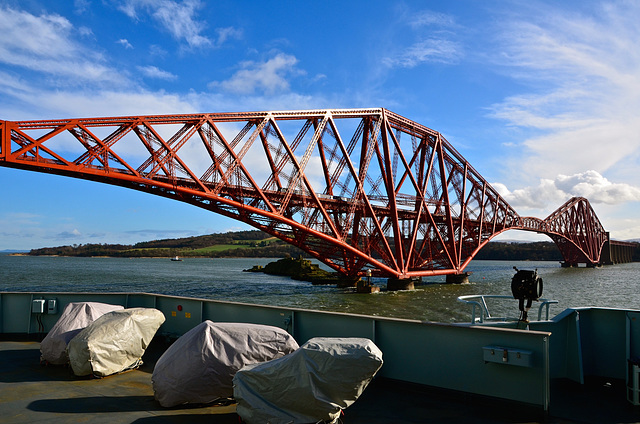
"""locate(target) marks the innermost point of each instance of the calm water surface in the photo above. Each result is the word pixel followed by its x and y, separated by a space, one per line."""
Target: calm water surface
pixel 615 286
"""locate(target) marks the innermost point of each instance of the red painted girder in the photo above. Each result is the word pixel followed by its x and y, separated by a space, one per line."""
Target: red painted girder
pixel 403 210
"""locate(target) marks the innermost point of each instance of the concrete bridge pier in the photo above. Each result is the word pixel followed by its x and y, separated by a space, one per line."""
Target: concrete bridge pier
pixel 403 283
pixel 461 278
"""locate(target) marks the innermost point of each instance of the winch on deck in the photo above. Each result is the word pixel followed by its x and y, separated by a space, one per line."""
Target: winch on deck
pixel 526 286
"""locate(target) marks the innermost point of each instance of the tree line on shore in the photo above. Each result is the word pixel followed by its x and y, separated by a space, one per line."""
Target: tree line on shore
pixel 255 243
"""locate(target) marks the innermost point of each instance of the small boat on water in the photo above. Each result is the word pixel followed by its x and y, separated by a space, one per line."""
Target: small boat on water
pixel 176 259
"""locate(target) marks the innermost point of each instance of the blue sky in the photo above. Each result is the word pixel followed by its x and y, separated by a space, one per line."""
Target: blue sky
pixel 542 98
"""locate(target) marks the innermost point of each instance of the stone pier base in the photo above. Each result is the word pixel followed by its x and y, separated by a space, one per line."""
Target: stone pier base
pixel 364 286
pixel 403 283
pixel 458 278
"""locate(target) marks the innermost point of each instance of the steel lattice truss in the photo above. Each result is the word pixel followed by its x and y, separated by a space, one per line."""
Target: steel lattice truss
pixel 577 232
pixel 357 189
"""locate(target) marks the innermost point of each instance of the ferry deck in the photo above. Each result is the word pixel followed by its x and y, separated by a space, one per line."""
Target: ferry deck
pixel 31 392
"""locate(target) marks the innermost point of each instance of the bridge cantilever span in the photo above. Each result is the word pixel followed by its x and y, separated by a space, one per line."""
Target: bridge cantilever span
pixel 576 230
pixel 357 189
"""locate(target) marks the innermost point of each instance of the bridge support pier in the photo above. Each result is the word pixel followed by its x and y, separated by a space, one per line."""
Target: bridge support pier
pixel 403 283
pixel 365 286
pixel 461 278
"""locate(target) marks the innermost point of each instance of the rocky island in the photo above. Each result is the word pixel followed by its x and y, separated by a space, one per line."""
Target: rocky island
pixel 298 269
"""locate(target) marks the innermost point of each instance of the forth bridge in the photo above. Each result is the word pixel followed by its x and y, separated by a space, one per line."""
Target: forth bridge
pixel 365 191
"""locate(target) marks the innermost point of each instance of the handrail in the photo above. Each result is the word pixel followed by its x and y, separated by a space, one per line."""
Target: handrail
pixel 479 301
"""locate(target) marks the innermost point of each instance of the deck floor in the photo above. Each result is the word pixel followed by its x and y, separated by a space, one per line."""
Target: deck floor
pixel 32 393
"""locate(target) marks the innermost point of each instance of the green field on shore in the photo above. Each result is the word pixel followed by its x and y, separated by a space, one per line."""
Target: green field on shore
pixel 232 244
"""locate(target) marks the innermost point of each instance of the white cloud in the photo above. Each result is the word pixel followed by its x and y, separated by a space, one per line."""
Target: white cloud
pixel 550 194
pixel 125 43
pixel 269 76
pixel 45 44
pixel 154 72
pixel 179 20
pixel 598 189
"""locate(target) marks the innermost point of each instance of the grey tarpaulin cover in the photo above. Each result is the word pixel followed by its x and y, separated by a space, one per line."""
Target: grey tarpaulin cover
pixel 114 342
pixel 73 319
pixel 312 384
pixel 200 365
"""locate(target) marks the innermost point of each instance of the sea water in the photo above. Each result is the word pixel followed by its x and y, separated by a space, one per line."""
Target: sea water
pixel 615 286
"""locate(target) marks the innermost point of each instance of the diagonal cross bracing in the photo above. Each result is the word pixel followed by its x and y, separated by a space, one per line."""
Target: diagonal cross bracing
pixel 397 198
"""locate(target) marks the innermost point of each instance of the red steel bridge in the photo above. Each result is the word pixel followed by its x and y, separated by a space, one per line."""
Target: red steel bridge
pixel 358 189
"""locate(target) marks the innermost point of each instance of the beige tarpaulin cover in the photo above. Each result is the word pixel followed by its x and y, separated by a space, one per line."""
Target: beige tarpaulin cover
pixel 200 365
pixel 73 319
pixel 310 385
pixel 114 342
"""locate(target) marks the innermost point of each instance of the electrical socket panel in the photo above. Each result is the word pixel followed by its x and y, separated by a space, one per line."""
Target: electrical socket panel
pixel 52 306
pixel 37 306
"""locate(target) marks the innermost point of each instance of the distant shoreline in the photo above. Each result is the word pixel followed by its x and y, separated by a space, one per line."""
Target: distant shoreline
pixel 257 244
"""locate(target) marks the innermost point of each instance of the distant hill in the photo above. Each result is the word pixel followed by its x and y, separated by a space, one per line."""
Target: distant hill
pixel 232 244
pixel 255 243
pixel 529 251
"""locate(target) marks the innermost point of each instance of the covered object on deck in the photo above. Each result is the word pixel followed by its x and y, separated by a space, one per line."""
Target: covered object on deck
pixel 199 367
pixel 315 383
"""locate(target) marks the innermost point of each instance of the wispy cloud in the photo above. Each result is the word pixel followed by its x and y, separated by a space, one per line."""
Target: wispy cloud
pixel 435 41
pixel 584 73
pixel 429 50
pixel 269 76
pixel 428 18
pixel 66 235
pixel 154 72
pixel 227 33
pixel 81 6
pixel 179 19
pixel 45 44
pixel 125 43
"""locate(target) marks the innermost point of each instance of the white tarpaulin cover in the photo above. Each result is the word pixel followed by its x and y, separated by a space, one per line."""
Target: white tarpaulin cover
pixel 312 384
pixel 200 365
pixel 73 319
pixel 114 342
